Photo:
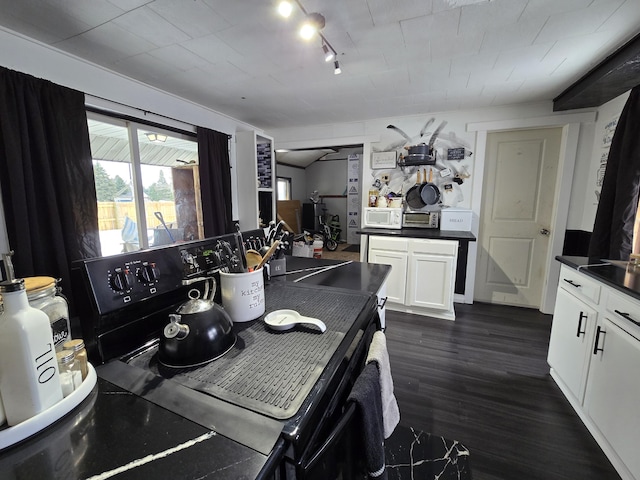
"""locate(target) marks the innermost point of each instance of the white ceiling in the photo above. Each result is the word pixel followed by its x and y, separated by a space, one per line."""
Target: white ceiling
pixel 398 57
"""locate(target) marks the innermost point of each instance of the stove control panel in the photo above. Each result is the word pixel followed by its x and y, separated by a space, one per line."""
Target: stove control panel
pixel 118 281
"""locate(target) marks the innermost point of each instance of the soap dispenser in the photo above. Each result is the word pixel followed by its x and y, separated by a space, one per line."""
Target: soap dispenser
pixel 29 377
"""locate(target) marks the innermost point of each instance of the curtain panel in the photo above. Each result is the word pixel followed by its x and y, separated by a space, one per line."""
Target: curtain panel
pixel 215 182
pixel 46 177
pixel 612 236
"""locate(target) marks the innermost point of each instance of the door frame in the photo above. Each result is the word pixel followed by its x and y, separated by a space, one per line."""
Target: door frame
pixel 570 124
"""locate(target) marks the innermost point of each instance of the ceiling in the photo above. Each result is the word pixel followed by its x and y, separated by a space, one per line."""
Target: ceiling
pixel 398 57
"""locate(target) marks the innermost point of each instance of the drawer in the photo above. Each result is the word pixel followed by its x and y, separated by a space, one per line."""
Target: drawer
pixel 434 247
pixel 389 243
pixel 624 311
pixel 579 284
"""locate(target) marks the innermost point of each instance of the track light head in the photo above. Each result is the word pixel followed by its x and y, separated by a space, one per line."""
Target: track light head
pixel 328 53
pixel 285 8
pixel 312 25
pixel 337 70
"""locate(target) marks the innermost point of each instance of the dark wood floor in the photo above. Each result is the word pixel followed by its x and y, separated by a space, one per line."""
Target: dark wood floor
pixel 483 380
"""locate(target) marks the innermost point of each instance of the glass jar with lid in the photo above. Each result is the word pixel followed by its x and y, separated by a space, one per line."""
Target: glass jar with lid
pixel 77 347
pixel 44 294
pixel 70 375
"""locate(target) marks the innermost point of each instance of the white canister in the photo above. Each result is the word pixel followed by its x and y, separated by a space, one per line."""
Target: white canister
pixel 243 295
pixel 317 248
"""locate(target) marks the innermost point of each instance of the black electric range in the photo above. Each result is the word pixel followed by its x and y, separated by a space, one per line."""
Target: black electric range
pixel 278 393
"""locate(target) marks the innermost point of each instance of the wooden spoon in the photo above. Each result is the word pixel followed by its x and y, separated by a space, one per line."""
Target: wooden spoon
pixel 268 255
pixel 253 258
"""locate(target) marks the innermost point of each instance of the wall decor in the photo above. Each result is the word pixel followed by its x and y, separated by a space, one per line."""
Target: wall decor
pixel 384 160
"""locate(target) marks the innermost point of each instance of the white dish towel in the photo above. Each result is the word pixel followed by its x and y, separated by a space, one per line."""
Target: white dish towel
pixel 378 353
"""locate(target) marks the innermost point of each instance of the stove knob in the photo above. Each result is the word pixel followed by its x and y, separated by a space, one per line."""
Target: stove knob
pixel 148 273
pixel 120 280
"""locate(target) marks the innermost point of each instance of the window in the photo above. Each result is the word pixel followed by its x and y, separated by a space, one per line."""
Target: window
pixel 146 183
pixel 284 188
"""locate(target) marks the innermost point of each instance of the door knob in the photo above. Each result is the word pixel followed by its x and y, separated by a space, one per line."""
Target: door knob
pixel 544 231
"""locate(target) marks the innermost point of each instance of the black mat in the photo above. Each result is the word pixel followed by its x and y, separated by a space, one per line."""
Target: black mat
pixel 273 372
pixel 352 248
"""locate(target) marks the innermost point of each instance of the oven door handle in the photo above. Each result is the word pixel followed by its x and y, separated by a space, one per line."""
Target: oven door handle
pixel 346 417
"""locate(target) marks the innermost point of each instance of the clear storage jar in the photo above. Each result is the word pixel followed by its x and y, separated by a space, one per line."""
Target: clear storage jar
pixel 77 347
pixel 44 294
pixel 70 375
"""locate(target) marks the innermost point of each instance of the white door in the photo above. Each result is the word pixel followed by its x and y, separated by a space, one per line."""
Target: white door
pixel 515 222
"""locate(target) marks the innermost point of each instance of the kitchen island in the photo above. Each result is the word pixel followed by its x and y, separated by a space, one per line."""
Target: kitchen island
pixel 115 432
pixel 429 267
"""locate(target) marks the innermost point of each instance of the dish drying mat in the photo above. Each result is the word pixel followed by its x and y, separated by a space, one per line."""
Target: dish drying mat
pixel 271 372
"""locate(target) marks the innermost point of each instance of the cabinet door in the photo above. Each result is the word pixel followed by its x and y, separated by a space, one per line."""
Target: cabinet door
pixel 613 390
pixel 571 340
pixel 397 278
pixel 430 281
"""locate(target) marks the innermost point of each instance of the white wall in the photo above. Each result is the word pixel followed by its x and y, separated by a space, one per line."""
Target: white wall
pixel 298 178
pixel 589 204
pixel 375 135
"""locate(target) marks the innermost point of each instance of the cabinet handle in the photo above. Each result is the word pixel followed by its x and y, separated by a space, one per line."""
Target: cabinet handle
pixel 595 346
pixel 383 303
pixel 626 316
pixel 571 282
pixel 580 331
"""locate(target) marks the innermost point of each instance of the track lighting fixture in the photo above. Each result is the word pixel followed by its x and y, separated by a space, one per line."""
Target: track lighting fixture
pixel 328 53
pixel 337 70
pixel 312 25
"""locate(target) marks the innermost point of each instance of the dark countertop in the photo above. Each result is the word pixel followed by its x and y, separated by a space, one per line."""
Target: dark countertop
pixel 365 277
pixel 614 275
pixel 433 233
pixel 113 428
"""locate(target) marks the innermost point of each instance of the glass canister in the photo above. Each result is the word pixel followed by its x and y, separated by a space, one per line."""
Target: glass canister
pixel 44 294
pixel 77 347
pixel 70 375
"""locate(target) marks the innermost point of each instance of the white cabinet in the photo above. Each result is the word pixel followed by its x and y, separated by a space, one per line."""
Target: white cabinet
pixel 613 390
pixel 431 275
pixel 574 324
pixel 594 354
pixel 255 164
pixel 422 277
pixel 394 252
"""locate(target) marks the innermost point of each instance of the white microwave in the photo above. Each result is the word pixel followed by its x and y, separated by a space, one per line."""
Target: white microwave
pixel 376 217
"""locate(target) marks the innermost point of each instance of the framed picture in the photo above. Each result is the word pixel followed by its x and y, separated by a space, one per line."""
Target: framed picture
pixel 383 160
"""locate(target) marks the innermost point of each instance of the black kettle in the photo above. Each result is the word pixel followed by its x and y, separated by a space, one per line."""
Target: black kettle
pixel 199 332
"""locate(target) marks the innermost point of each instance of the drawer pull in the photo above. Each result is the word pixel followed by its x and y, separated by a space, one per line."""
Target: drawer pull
pixel 572 283
pixel 580 331
pixel 626 316
pixel 595 345
pixel 382 303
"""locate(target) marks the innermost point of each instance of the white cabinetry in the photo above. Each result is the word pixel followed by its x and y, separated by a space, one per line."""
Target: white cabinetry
pixel 574 324
pixel 613 389
pixel 256 180
pixel 594 354
pixel 431 276
pixel 422 277
pixel 394 252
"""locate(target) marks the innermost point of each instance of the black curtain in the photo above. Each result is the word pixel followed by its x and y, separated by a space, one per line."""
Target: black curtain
pixel 46 177
pixel 215 182
pixel 612 236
